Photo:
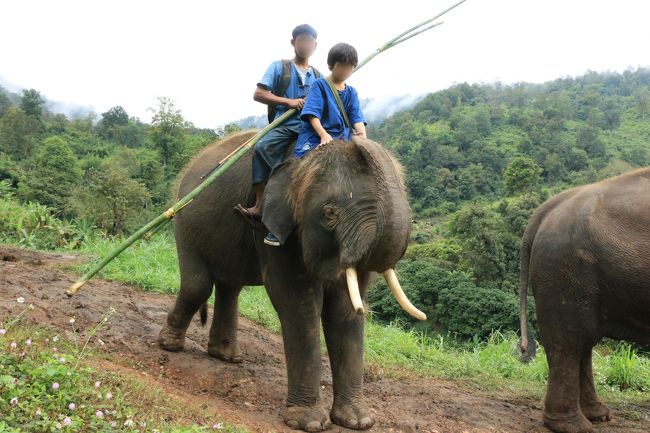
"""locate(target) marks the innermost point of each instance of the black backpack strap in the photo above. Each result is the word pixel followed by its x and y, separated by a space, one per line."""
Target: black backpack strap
pixel 317 73
pixel 283 85
pixel 280 88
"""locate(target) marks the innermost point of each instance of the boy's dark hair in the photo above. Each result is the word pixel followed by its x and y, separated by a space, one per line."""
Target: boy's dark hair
pixel 304 29
pixel 342 53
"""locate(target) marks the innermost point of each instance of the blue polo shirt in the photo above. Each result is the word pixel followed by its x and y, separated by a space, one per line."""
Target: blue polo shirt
pixel 321 104
pixel 296 89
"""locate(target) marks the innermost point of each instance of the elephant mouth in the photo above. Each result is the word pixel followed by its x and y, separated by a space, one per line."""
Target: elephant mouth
pixel 394 285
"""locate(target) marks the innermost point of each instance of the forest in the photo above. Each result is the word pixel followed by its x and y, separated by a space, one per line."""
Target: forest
pixel 479 159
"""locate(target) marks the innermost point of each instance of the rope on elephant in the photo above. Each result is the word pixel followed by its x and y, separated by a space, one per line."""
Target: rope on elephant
pixel 235 155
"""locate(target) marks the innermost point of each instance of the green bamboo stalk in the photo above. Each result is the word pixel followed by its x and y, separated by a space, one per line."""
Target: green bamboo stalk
pixel 233 157
pixel 396 39
pixel 406 38
pixel 166 216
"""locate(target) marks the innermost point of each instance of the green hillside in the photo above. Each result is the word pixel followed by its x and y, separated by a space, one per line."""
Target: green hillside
pixel 479 160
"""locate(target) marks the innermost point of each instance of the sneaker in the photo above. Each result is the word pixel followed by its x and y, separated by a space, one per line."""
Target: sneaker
pixel 270 239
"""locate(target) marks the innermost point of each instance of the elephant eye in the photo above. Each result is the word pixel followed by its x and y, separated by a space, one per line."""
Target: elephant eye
pixel 330 216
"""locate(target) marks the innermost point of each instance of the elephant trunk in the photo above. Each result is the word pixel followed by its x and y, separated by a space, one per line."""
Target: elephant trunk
pixel 400 296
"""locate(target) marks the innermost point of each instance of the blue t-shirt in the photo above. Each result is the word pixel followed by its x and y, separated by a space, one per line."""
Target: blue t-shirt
pixel 296 89
pixel 321 104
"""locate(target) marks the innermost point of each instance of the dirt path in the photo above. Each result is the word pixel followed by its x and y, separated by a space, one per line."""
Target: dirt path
pixel 249 394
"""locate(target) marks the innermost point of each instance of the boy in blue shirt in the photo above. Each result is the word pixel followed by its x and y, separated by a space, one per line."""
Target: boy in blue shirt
pixel 322 119
pixel 285 85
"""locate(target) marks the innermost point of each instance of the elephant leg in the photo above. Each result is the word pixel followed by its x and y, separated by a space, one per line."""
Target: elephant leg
pixel 223 343
pixel 343 329
pixel 196 288
pixel 590 404
pixel 562 412
pixel 298 306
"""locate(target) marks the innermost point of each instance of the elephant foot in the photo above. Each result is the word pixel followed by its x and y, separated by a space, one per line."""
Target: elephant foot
pixel 596 412
pixel 350 415
pixel 171 339
pixel 576 423
pixel 307 418
pixel 226 351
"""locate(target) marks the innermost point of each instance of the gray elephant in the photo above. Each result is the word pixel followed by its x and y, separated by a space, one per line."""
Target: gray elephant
pixel 586 254
pixel 342 214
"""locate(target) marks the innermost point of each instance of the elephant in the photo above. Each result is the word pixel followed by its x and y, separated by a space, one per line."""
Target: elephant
pixel 343 217
pixel 586 256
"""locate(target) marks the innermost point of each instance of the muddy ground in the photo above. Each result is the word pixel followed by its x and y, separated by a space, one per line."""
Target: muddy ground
pixel 252 393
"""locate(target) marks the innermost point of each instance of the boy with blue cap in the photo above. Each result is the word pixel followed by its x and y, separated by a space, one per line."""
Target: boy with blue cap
pixel 285 85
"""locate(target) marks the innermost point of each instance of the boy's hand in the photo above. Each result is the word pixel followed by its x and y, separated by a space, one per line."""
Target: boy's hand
pixel 296 104
pixel 360 129
pixel 325 138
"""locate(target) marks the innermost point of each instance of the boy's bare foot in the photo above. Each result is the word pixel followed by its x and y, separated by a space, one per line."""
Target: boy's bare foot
pixel 251 215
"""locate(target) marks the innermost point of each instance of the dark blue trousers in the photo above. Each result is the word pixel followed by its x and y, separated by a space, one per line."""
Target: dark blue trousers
pixel 269 152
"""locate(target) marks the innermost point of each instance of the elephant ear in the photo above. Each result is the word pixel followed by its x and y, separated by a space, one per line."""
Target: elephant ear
pixel 380 162
pixel 277 211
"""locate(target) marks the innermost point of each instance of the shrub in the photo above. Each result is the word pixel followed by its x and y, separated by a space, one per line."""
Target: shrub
pixel 467 310
pixel 422 282
pixel 32 225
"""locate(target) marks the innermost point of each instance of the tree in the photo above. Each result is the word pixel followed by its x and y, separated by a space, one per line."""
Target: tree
pixel 56 124
pixel 111 200
pixel 32 103
pixel 469 311
pixel 489 250
pixel 516 211
pixel 612 112
pixel 553 167
pixel 589 140
pixel 577 159
pixel 228 129
pixel 17 133
pixel 642 99
pixel 114 126
pixel 5 102
pixel 466 128
pixel 422 282
pixel 521 174
pixel 168 129
pixel 53 175
pixel 143 165
pixel 115 116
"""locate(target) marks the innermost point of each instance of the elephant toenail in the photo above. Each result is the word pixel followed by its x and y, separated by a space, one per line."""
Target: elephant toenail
pixel 313 426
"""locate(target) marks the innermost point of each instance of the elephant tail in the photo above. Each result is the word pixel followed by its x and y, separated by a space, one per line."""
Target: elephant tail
pixel 203 313
pixel 526 349
pixel 523 297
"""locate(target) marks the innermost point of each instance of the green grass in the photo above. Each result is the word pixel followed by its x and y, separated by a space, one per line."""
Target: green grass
pixel 49 383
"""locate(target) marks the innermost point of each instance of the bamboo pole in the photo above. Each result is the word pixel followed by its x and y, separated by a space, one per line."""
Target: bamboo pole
pixel 166 216
pixel 234 156
pixel 397 39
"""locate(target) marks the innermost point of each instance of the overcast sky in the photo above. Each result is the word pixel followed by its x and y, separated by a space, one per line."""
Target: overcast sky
pixel 208 55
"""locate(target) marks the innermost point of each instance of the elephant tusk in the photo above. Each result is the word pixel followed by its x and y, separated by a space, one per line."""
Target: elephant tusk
pixel 353 290
pixel 400 296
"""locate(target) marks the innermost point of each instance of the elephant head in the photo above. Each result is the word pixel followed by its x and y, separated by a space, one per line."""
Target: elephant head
pixel 348 205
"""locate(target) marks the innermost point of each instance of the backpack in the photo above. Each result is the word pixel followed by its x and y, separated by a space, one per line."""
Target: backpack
pixel 282 86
